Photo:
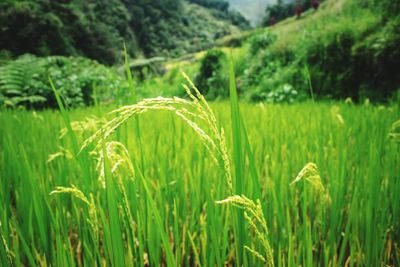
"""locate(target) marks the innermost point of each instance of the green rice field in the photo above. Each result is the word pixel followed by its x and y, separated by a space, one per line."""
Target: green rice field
pixel 161 192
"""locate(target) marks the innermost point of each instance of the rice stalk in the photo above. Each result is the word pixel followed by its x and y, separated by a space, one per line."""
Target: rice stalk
pixel 310 174
pixel 119 160
pixel 7 250
pixel 191 112
pixel 196 254
pixel 348 101
pixel 120 164
pixel 62 153
pixel 336 115
pixel 40 258
pixel 75 192
pixel 88 124
pixel 255 253
pixel 255 217
pixel 394 133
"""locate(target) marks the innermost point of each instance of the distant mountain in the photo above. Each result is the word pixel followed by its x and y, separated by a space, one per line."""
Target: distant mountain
pixel 252 10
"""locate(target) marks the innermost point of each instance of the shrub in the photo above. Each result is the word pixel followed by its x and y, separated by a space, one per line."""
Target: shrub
pixel 211 79
pixel 377 61
pixel 344 59
pixel 261 69
pixel 24 81
pixel 284 94
pixel 261 41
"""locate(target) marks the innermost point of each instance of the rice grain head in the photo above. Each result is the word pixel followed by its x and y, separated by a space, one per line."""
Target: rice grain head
pixel 255 217
pixel 336 115
pixel 87 125
pixel 191 112
pixel 310 174
pixel 62 153
pixel 121 166
pixel 394 133
pixel 119 159
pixel 75 192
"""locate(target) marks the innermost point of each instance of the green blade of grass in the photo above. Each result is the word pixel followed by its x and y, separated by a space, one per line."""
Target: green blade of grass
pixel 237 160
pixel 309 81
pixel 129 76
pixel 252 163
pixel 81 160
pixel 117 247
pixel 66 118
pixel 196 254
pixel 4 253
pixel 134 100
pixel 164 237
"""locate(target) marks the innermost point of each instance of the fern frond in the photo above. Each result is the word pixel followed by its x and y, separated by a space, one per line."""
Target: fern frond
pixel 14 76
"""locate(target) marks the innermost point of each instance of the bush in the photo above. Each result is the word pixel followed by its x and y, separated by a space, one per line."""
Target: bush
pixel 54 28
pixel 330 64
pixel 210 79
pixel 343 58
pixel 261 41
pixel 265 67
pixel 284 94
pixel 377 62
pixel 24 81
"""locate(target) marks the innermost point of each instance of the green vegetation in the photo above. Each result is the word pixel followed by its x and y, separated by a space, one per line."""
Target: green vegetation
pixel 25 82
pixel 285 9
pixel 323 55
pixel 344 50
pixel 164 211
pixel 97 30
pixel 220 9
pixel 210 75
pixel 133 165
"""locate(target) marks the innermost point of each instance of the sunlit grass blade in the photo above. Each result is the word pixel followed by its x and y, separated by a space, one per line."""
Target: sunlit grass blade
pixel 252 163
pixel 134 101
pixel 128 74
pixel 238 160
pixel 66 118
pixel 67 121
pixel 117 245
pixel 5 253
pixel 164 237
pixel 194 248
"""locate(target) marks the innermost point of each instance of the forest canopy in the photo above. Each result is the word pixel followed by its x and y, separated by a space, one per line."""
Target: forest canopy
pixel 97 29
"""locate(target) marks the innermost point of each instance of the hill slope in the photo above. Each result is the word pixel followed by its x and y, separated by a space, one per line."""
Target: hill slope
pixel 97 29
pixel 344 49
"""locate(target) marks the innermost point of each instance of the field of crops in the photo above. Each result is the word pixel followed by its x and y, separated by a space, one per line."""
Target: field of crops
pixel 151 193
pixel 287 153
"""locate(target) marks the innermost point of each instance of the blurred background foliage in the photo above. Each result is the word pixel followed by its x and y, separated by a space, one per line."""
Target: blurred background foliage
pixel 342 49
pixel 97 29
pixel 25 82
